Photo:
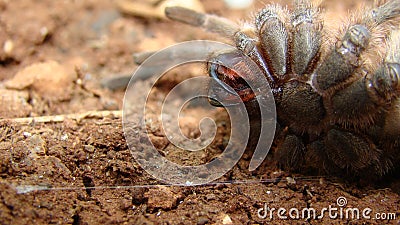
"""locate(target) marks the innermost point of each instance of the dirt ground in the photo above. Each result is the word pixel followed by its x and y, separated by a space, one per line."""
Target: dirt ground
pixel 71 165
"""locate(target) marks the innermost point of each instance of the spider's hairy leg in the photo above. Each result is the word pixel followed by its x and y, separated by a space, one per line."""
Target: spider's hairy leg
pixel 291 153
pixel 211 23
pixel 383 13
pixel 293 111
pixel 391 128
pixel 344 59
pixel 353 153
pixel 250 47
pixel 390 132
pixel 270 24
pixel 341 62
pixel 317 159
pixel 306 41
pixel 304 48
pixel 359 102
pixel 367 101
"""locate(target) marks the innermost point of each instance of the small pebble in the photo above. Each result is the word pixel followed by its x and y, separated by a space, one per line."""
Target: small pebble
pixel 27 134
pixel 44 31
pixel 64 137
pixel 14 104
pixel 89 148
pixel 202 220
pixel 290 180
pixel 8 47
pixel 227 220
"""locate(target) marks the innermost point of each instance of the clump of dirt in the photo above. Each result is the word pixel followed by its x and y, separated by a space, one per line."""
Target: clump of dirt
pixel 63 155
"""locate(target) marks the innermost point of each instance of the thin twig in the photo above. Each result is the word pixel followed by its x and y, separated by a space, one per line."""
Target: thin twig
pixel 62 118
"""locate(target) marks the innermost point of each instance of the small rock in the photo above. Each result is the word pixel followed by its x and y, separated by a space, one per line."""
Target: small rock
pixel 8 47
pixel 159 142
pixel 162 197
pixel 36 146
pixel 202 220
pixel 64 137
pixel 138 196
pixel 27 134
pixel 125 204
pixel 89 148
pixel 49 79
pixel 291 183
pixel 14 104
pixel 210 197
pixel 109 104
pixel 227 220
pixel 290 180
pixel 44 33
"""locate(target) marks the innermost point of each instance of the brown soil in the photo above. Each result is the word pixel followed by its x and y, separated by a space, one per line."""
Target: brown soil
pixel 77 169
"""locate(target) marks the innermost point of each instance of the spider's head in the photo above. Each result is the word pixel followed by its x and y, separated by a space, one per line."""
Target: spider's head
pixel 230 70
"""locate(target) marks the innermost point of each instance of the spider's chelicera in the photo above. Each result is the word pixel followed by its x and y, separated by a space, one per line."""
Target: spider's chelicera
pixel 224 69
pixel 337 101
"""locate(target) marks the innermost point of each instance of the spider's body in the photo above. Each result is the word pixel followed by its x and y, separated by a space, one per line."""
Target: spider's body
pixel 337 108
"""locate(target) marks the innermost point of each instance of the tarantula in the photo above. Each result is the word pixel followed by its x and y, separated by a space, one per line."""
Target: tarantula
pixel 337 102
